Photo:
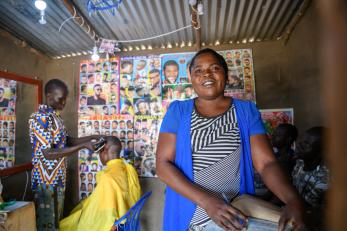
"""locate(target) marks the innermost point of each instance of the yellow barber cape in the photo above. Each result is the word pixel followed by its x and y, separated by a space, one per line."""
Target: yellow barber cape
pixel 117 190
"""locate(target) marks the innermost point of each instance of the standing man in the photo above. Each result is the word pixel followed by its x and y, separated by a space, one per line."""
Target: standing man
pixel 48 134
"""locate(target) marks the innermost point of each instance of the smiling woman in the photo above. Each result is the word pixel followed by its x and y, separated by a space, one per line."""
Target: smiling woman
pixel 206 152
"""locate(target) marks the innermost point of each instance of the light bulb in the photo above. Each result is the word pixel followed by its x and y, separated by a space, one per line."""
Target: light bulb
pixel 200 9
pixel 95 56
pixel 40 4
pixel 42 19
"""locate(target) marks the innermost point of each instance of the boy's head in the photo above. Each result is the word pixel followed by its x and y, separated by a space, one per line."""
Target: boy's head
pixel 111 150
pixel 284 135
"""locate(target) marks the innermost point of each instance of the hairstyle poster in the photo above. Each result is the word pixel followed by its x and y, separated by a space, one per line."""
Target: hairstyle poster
pixel 175 77
pixel 240 81
pixel 273 117
pixel 8 92
pixel 98 113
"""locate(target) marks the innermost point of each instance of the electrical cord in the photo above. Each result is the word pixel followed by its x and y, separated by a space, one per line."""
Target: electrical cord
pixel 26 186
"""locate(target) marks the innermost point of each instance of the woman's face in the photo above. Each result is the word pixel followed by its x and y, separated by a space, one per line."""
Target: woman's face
pixel 208 77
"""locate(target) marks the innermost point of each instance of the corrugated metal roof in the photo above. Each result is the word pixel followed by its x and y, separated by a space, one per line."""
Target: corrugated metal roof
pixel 223 21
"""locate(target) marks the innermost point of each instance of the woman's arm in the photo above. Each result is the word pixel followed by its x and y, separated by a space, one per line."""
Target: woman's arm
pixel 223 214
pixel 275 179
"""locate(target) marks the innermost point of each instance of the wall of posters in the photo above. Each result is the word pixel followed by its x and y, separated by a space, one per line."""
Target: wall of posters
pixel 240 83
pixel 273 117
pixel 8 92
pixel 127 97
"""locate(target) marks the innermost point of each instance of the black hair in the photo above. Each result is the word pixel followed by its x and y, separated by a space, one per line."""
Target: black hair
pixel 316 132
pixel 154 71
pixel 291 130
pixel 55 83
pixel 127 102
pixel 140 101
pixel 210 51
pixel 96 85
pixel 170 63
pixel 125 63
pixel 139 89
pixel 2 89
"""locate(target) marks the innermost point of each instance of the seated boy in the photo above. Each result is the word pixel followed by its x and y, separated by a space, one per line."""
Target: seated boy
pixel 117 190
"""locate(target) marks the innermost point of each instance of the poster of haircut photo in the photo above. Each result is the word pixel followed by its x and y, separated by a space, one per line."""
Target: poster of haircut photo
pixel 146 130
pixel 240 81
pixel 8 92
pixel 273 117
pixel 127 89
pixel 98 112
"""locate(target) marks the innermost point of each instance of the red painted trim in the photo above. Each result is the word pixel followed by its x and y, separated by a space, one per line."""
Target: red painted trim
pixel 36 82
pixel 16 169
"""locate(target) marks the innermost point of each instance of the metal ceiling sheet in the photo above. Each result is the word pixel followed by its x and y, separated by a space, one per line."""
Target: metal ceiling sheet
pixel 223 21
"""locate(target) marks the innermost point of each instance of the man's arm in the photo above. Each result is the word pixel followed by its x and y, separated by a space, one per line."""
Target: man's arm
pixel 51 153
pixel 275 179
pixel 74 141
pixel 62 152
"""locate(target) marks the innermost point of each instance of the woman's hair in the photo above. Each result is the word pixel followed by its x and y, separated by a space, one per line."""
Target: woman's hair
pixel 210 51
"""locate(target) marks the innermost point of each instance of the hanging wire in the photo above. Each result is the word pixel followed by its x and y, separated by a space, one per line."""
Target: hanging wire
pixel 149 38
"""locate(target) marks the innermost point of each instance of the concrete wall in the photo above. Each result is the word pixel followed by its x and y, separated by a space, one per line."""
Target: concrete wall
pixel 303 66
pixel 15 59
pixel 286 76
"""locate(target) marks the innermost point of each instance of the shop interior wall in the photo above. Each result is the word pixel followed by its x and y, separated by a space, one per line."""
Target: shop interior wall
pixel 286 76
pixel 303 68
pixel 21 61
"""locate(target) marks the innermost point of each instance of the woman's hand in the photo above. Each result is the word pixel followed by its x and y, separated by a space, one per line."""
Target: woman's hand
pixel 224 215
pixel 293 215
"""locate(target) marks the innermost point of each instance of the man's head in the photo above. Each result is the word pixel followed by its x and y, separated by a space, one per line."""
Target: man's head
pixel 284 136
pixel 141 64
pixel 114 66
pixel 126 67
pixel 83 101
pixel 310 145
pixel 171 71
pixel 142 106
pixel 2 92
pixel 56 93
pixel 154 77
pixel 111 150
pixel 97 90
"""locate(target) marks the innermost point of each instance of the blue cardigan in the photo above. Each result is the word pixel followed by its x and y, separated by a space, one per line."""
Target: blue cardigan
pixel 179 210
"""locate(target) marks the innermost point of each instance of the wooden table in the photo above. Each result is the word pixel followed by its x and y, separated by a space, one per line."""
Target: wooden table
pixel 17 219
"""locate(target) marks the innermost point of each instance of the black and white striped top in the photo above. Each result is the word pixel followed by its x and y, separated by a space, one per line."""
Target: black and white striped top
pixel 216 158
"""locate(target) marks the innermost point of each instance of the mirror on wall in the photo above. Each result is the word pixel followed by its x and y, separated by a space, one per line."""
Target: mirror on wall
pixel 19 97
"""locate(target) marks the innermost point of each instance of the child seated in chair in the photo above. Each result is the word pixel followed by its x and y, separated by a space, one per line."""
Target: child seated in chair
pixel 117 190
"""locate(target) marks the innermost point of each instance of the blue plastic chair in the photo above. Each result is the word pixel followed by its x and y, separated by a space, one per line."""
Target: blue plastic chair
pixel 131 220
